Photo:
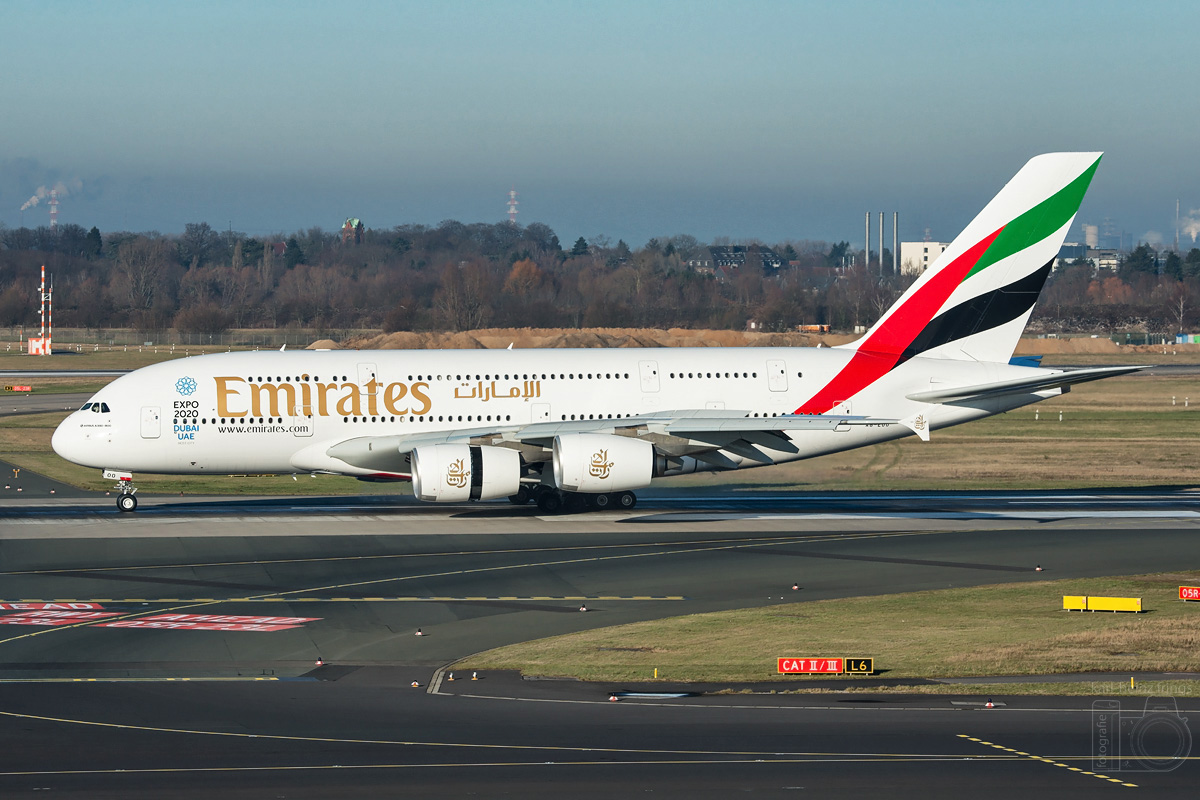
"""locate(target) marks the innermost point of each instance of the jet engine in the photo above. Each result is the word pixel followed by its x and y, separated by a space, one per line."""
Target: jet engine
pixel 452 473
pixel 596 463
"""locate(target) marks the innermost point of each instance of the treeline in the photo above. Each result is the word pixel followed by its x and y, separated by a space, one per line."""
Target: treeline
pixel 457 276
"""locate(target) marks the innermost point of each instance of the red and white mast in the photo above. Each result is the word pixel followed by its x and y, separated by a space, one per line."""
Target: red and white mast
pixel 41 346
pixel 512 205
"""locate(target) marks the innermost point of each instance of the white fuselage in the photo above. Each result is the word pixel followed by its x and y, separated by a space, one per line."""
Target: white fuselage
pixel 279 412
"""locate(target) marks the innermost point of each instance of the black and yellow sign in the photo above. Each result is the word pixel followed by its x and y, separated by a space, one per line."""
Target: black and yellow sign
pixel 860 665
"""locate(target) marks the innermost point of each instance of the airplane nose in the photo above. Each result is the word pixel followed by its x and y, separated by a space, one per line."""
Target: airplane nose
pixel 65 440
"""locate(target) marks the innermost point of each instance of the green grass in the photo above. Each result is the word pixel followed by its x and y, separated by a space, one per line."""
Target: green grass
pixel 1113 688
pixel 1007 629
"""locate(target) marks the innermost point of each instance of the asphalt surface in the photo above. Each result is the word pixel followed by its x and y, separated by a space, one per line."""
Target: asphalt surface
pixel 12 405
pixel 92 711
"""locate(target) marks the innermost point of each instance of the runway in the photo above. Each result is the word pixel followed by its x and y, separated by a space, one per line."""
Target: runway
pixel 152 700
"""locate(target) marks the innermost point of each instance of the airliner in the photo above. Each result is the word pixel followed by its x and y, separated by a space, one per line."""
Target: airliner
pixel 587 428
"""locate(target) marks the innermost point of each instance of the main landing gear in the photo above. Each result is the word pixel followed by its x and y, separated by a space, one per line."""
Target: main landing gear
pixel 554 501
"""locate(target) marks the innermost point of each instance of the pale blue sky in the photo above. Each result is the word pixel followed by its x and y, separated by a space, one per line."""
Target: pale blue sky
pixel 631 119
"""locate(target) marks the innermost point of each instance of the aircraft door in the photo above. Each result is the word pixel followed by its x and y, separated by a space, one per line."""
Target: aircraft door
pixel 777 375
pixel 649 373
pixel 302 420
pixel 366 374
pixel 151 426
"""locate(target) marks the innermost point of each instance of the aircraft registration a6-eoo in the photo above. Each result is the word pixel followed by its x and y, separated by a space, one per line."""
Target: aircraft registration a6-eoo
pixel 564 426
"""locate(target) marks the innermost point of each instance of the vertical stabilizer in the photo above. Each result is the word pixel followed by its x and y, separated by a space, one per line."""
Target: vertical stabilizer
pixel 974 301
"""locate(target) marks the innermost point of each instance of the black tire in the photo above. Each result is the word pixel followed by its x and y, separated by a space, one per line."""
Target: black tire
pixel 522 497
pixel 549 502
pixel 625 500
pixel 602 501
pixel 127 502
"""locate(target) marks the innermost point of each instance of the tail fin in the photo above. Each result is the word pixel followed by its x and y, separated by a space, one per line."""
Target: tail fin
pixel 974 301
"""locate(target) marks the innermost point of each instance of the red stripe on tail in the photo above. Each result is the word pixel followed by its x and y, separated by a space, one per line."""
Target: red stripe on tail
pixel 882 349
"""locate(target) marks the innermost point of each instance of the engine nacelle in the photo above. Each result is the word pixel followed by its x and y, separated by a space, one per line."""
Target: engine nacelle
pixel 452 473
pixel 596 463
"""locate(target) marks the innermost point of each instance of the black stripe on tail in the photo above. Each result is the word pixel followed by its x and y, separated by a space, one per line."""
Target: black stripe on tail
pixel 989 310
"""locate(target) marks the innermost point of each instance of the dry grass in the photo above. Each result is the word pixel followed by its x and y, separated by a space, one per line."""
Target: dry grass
pixel 1118 432
pixel 1008 629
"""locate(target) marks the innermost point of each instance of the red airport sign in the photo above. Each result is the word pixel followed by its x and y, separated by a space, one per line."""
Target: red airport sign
pixel 1189 592
pixel 811 666
pixel 18 388
pixel 826 666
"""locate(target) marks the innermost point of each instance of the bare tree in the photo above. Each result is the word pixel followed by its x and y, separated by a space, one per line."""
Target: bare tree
pixel 141 263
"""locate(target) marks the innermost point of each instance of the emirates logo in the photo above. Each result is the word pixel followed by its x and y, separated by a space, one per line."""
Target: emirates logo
pixel 919 422
pixel 457 475
pixel 600 466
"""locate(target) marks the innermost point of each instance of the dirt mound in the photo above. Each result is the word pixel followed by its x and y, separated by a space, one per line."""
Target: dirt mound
pixel 324 344
pixel 1073 346
pixel 527 338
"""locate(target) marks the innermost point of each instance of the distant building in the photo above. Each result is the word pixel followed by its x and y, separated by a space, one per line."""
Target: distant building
pixel 1069 253
pixel 352 231
pixel 734 257
pixel 916 257
pixel 1108 258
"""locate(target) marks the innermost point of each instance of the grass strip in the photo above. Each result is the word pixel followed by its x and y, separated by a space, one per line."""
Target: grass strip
pixel 1005 629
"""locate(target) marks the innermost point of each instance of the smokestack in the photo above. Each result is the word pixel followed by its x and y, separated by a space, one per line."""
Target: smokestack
pixel 895 244
pixel 867 246
pixel 881 244
pixel 53 210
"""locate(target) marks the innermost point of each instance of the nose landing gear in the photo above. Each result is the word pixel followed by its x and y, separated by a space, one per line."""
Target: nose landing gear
pixel 127 502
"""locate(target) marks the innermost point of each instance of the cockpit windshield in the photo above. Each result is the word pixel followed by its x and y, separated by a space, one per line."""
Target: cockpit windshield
pixel 97 408
pixel 86 406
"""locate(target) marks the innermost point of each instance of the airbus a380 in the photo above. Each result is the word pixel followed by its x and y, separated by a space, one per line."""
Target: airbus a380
pixel 552 425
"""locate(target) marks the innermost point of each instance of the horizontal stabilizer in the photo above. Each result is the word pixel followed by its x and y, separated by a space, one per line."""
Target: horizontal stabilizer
pixel 1033 383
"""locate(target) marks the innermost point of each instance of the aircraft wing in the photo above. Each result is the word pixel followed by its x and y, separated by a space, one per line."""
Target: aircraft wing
pixel 1035 383
pixel 700 432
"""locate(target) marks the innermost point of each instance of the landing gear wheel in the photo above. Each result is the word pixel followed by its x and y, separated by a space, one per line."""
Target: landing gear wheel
pixel 625 500
pixel 549 502
pixel 602 501
pixel 127 502
pixel 522 497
